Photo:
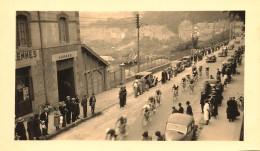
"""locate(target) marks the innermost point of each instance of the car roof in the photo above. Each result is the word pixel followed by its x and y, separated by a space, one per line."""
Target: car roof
pixel 211 55
pixel 176 61
pixel 143 73
pixel 211 81
pixel 179 118
pixel 186 57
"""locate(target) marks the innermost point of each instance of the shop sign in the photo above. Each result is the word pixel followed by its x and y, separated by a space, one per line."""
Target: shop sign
pixel 63 56
pixel 27 55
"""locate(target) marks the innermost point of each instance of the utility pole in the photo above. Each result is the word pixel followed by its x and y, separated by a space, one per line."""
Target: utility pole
pixel 138 26
pixel 192 38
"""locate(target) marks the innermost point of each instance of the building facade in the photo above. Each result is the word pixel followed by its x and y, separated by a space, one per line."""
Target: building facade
pixel 51 62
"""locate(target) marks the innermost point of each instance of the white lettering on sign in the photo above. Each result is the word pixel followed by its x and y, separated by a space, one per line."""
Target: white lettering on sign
pixel 27 55
pixel 63 56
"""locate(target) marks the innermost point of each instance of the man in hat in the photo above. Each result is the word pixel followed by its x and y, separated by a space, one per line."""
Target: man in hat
pixel 92 103
pixel 121 97
pixel 84 104
pixel 45 118
pixel 68 107
pixel 20 130
pixel 202 100
pixel 159 136
pixel 74 109
pixel 77 106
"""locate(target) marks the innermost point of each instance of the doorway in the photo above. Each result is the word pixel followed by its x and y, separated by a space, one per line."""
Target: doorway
pixel 65 73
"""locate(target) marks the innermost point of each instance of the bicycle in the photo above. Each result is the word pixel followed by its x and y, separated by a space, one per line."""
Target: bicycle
pixel 175 94
pixel 191 88
pixel 157 100
pixel 147 116
pixel 183 86
pixel 121 131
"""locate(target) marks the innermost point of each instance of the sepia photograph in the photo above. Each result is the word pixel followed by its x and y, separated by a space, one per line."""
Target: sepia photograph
pixel 143 76
pixel 123 75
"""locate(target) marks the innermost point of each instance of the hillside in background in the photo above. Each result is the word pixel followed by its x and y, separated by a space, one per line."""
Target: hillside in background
pixel 159 33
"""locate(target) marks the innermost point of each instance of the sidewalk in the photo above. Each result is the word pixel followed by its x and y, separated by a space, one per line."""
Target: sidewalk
pixel 220 129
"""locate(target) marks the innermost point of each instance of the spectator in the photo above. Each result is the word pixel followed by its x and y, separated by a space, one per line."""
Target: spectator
pixel 84 104
pixel 36 127
pixel 45 120
pixel 68 107
pixel 174 110
pixel 77 110
pixel 74 110
pixel 110 134
pixel 30 128
pixel 146 137
pixel 202 101
pixel 92 103
pixel 159 136
pixel 63 111
pixel 121 98
pixel 56 118
pixel 143 84
pixel 20 130
pixel 206 112
pixel 181 110
pixel 124 94
pixel 135 86
pixel 189 109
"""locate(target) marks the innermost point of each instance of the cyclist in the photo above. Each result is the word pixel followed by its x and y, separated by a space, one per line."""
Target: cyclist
pixel 158 94
pixel 121 124
pixel 200 71
pixel 146 111
pixel 207 71
pixel 191 84
pixel 195 75
pixel 151 102
pixel 188 77
pixel 183 82
pixel 175 90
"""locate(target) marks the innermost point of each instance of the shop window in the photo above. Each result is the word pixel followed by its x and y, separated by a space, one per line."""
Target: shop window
pixel 63 29
pixel 22 30
pixel 24 87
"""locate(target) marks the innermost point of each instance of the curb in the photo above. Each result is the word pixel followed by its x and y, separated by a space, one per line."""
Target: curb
pixel 71 126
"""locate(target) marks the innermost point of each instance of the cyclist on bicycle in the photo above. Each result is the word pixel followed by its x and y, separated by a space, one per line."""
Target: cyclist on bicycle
pixel 146 110
pixel 195 74
pixel 207 71
pixel 158 94
pixel 110 134
pixel 191 84
pixel 121 123
pixel 175 90
pixel 183 83
pixel 151 102
pixel 200 71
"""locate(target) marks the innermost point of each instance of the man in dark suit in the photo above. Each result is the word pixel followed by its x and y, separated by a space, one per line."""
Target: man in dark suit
pixel 84 105
pixel 68 107
pixel 45 117
pixel 92 103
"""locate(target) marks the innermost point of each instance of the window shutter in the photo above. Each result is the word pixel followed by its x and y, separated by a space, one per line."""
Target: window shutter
pixel 17 34
pixel 28 34
pixel 67 31
pixel 31 89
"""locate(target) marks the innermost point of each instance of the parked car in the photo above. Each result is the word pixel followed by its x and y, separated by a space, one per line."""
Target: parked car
pixel 179 64
pixel 187 61
pixel 211 58
pixel 180 127
pixel 147 75
pixel 223 53
pixel 212 82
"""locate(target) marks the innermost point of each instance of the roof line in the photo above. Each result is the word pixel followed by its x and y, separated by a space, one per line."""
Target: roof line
pixel 95 54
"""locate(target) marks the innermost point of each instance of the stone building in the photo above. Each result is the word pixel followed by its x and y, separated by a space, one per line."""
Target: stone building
pixel 51 62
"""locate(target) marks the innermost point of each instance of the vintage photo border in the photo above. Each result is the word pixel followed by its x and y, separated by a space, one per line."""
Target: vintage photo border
pixel 251 86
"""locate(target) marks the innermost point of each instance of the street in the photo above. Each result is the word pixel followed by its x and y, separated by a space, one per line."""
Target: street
pixel 94 129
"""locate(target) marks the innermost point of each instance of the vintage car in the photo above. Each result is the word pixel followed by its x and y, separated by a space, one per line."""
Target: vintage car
pixel 149 76
pixel 180 127
pixel 237 41
pixel 212 82
pixel 187 61
pixel 211 58
pixel 223 53
pixel 179 64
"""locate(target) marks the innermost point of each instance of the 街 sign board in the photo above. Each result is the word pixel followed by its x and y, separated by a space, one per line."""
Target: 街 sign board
pixel 63 56
pixel 27 55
